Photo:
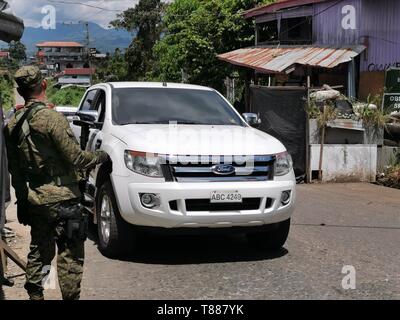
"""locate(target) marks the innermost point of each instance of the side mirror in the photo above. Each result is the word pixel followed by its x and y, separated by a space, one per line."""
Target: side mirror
pixel 252 119
pixel 73 118
pixel 97 125
pixel 88 116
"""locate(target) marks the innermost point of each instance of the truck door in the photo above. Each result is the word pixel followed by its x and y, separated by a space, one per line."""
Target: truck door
pixel 95 140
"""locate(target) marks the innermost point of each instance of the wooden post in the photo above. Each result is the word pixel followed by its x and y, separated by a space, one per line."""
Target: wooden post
pixel 321 153
pixel 3 263
pixel 5 250
pixel 308 166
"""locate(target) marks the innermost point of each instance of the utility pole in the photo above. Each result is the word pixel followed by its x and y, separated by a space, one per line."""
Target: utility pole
pixel 88 51
pixel 86 24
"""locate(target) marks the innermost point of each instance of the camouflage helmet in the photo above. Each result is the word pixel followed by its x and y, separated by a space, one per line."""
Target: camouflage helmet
pixel 28 77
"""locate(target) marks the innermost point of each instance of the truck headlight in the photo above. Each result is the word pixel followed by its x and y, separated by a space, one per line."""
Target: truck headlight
pixel 143 163
pixel 283 164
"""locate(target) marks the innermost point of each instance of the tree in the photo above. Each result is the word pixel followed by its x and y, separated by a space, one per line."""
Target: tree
pixel 17 51
pixel 196 32
pixel 113 68
pixel 146 20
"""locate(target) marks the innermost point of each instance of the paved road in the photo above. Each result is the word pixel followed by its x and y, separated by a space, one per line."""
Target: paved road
pixel 334 225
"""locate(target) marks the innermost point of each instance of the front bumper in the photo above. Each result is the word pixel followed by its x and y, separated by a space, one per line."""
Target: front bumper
pixel 269 212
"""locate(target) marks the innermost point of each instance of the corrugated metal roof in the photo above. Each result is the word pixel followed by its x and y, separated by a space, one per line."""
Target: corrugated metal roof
pixel 276 6
pixel 59 44
pixel 277 60
pixel 79 71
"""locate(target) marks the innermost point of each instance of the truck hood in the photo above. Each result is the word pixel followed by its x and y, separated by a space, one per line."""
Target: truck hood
pixel 197 140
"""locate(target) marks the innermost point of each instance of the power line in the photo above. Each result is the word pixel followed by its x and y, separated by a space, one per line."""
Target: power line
pixel 382 39
pixel 84 4
pixel 118 11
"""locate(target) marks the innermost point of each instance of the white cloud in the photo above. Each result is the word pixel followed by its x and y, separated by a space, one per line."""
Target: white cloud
pixel 31 11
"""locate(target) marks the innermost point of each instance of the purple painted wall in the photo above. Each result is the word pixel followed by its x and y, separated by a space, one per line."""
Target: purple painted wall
pixel 381 22
pixel 327 24
pixel 377 22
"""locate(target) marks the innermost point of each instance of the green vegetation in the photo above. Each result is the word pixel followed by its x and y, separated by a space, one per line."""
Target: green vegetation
pixel 179 42
pixel 197 31
pixel 391 177
pixel 17 51
pixel 373 117
pixel 113 68
pixel 70 96
pixel 7 91
pixel 146 19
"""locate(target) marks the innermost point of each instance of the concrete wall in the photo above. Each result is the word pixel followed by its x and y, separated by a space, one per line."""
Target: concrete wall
pixel 345 132
pixel 346 163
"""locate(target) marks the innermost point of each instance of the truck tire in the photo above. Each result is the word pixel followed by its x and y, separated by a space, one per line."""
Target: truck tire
pixel 271 240
pixel 116 237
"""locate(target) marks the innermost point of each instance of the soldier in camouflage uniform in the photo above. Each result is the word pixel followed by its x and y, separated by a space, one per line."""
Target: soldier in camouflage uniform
pixel 44 159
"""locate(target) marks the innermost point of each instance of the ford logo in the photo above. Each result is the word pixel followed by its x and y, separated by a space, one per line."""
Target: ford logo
pixel 223 169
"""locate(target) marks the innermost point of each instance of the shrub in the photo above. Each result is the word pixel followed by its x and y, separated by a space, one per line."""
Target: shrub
pixel 70 96
pixel 7 92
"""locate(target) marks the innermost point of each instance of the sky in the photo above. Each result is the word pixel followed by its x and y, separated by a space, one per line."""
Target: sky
pixel 31 10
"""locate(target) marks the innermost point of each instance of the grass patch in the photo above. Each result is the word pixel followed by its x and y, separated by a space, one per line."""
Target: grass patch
pixel 66 97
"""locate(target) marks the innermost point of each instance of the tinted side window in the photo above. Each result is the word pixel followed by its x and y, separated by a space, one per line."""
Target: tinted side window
pixel 87 103
pixel 100 105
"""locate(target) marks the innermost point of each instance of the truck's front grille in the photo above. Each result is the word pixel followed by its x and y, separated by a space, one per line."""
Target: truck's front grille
pixel 193 205
pixel 205 205
pixel 221 168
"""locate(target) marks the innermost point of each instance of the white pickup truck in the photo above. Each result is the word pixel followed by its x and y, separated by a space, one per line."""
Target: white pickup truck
pixel 182 159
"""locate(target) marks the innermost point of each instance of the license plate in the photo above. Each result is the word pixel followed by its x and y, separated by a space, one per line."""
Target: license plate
pixel 226 197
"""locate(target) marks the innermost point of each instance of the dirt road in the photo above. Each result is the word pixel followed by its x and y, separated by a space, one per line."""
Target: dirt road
pixel 334 225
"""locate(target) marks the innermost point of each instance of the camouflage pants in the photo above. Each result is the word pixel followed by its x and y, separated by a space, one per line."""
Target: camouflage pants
pixel 46 233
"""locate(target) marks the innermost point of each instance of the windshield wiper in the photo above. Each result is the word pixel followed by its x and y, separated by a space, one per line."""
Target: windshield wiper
pixel 144 122
pixel 187 122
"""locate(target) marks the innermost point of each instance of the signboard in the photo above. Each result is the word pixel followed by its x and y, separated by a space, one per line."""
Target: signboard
pixel 392 80
pixel 391 102
pixel 391 98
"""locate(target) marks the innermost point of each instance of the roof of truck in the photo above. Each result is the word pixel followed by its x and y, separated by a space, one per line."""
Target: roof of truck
pixel 157 85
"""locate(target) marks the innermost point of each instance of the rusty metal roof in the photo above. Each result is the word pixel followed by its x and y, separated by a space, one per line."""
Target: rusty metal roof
pixel 281 59
pixel 70 44
pixel 278 5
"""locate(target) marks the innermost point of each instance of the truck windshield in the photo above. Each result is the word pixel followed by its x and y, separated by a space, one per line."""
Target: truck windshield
pixel 165 105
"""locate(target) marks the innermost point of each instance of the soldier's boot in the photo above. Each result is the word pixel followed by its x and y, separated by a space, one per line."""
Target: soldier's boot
pixel 36 297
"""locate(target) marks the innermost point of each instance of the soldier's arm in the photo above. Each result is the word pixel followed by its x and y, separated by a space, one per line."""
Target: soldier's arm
pixel 18 179
pixel 64 140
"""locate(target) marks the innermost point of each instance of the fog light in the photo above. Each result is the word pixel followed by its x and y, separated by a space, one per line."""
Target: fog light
pixel 149 200
pixel 285 198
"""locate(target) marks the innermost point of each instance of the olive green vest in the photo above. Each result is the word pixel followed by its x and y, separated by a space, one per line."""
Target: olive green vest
pixel 37 156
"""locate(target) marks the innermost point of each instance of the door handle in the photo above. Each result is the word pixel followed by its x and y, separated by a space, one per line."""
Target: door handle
pixel 98 144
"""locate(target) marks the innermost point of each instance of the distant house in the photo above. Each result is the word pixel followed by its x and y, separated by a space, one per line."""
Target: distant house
pixel 4 55
pixel 349 42
pixel 75 76
pixel 61 55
